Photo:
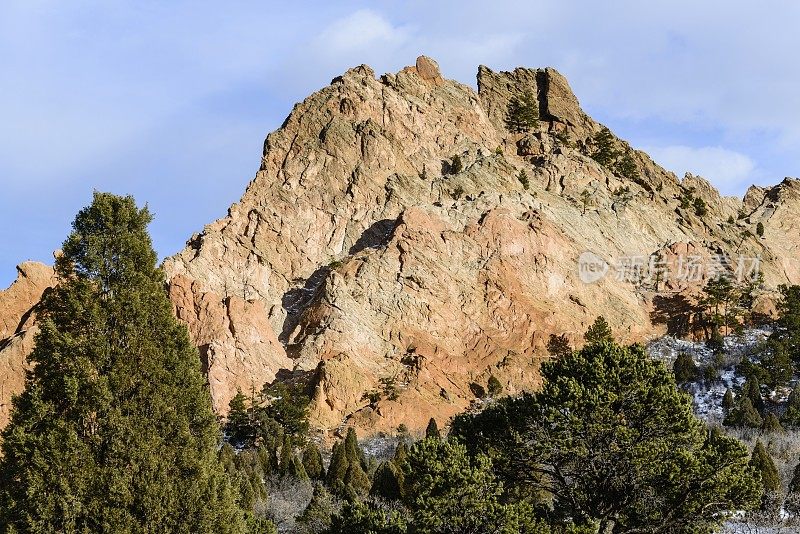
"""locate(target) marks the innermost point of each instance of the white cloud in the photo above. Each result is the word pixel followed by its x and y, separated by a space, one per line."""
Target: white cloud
pixel 361 31
pixel 730 171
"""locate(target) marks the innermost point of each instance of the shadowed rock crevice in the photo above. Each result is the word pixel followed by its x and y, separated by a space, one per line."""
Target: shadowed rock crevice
pixel 376 236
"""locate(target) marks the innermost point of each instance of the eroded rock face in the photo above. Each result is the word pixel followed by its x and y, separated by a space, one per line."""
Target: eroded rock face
pixel 383 274
pixel 18 329
pixel 361 260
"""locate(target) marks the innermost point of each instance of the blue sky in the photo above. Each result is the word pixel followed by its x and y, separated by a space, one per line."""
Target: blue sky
pixel 171 101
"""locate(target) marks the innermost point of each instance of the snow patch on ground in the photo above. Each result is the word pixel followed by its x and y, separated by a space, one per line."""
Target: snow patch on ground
pixel 707 396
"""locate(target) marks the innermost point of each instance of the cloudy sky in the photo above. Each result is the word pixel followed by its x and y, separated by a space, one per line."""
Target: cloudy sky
pixel 171 101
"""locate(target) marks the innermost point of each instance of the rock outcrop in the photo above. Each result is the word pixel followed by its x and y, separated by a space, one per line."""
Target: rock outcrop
pixel 362 260
pixel 18 328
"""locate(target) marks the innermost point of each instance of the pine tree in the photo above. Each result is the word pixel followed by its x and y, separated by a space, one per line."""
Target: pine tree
pixel 238 425
pixel 791 417
pixel 604 152
pixel 494 387
pixel 387 482
pixel 771 424
pixel 752 390
pixel 626 167
pixel 586 200
pixel 296 469
pixel 760 229
pixel 287 456
pixel 523 112
pixel 558 346
pixel 352 449
pixel 114 431
pixel 684 368
pixel 743 414
pixel 447 491
pixel 608 422
pixel 317 516
pixel 432 430
pixel 337 468
pixel 599 332
pixel 727 401
pixel 312 461
pixel 788 327
pixel 763 464
pixel 776 363
pixel 357 480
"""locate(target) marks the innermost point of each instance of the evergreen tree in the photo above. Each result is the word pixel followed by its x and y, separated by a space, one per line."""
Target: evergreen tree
pixel 238 426
pixel 727 401
pixel 494 387
pixel 288 408
pixel 353 451
pixel 771 424
pixel 586 200
pixel 760 229
pixel 387 482
pixel 267 459
pixel 296 469
pixel 312 462
pixel 791 417
pixel 523 112
pixel 626 167
pixel 607 423
pixel 684 368
pixel 287 456
pixel 337 468
pixel 599 332
pixel 357 480
pixel 776 364
pixel 432 430
pixel 743 414
pixel 764 466
pixel 752 390
pixel 357 517
pixel 114 431
pixel 604 152
pixel 788 327
pixel 317 516
pixel 558 346
pixel 446 491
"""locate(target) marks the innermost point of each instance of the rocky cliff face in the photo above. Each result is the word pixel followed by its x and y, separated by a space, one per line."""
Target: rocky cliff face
pixel 361 261
pixel 17 328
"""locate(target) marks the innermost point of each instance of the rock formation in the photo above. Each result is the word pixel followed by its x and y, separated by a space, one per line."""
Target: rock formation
pixel 17 328
pixel 362 260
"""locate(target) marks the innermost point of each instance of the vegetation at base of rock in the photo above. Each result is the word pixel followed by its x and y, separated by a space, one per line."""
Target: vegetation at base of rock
pixel 650 440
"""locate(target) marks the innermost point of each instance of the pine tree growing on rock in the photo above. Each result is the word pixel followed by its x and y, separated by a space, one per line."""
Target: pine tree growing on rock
pixel 604 152
pixel 494 387
pixel 523 112
pixel 114 431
